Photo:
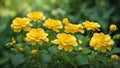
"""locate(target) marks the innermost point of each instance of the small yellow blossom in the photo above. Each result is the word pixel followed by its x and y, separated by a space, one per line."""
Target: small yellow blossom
pixel 13 41
pixel 73 28
pixel 91 25
pixel 80 49
pixel 37 36
pixel 114 57
pixel 65 41
pixel 21 23
pixel 101 41
pixel 113 27
pixel 80 42
pixel 21 49
pixel 53 24
pixel 36 16
pixel 66 21
pixel 34 52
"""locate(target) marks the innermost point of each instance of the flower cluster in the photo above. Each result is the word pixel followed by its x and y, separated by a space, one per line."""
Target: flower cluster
pixel 66 40
pixel 59 37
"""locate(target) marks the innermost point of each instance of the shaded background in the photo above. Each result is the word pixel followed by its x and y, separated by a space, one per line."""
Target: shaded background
pixel 105 12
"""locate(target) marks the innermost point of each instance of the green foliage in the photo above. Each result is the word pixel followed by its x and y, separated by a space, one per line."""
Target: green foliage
pixel 45 58
pixel 116 50
pixel 53 49
pixel 104 12
pixel 18 59
pixel 80 60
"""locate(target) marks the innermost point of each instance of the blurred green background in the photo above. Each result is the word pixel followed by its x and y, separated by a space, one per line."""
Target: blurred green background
pixel 105 12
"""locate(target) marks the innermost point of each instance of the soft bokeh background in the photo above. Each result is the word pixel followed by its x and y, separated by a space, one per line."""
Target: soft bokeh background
pixel 104 12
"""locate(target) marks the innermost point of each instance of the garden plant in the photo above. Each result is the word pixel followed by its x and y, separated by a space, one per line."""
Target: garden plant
pixel 43 42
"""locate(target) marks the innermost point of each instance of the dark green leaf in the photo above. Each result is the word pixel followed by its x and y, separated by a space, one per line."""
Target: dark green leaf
pixel 116 50
pixel 27 49
pixel 18 59
pixel 53 49
pixel 45 58
pixel 86 50
pixel 80 60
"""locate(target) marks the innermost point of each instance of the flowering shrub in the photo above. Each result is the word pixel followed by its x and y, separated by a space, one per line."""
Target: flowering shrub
pixel 44 43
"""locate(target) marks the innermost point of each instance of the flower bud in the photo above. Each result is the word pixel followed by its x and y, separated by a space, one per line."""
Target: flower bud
pixel 80 49
pixel 114 57
pixel 34 52
pixel 113 27
pixel 21 49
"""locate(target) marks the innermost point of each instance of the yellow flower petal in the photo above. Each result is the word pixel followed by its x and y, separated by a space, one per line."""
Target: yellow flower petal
pixel 68 48
pixel 60 47
pixel 103 49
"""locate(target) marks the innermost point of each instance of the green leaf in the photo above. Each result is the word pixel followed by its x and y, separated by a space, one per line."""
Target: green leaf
pixel 86 50
pixel 116 50
pixel 44 52
pixel 79 36
pixel 5 59
pixel 81 60
pixel 18 59
pixel 19 45
pixel 53 49
pixel 45 58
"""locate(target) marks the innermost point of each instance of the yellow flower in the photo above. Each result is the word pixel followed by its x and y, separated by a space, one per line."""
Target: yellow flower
pixel 65 41
pixel 21 49
pixel 113 27
pixel 21 23
pixel 101 41
pixel 13 41
pixel 73 28
pixel 80 49
pixel 34 52
pixel 37 36
pixel 66 21
pixel 36 16
pixel 53 24
pixel 91 25
pixel 114 57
